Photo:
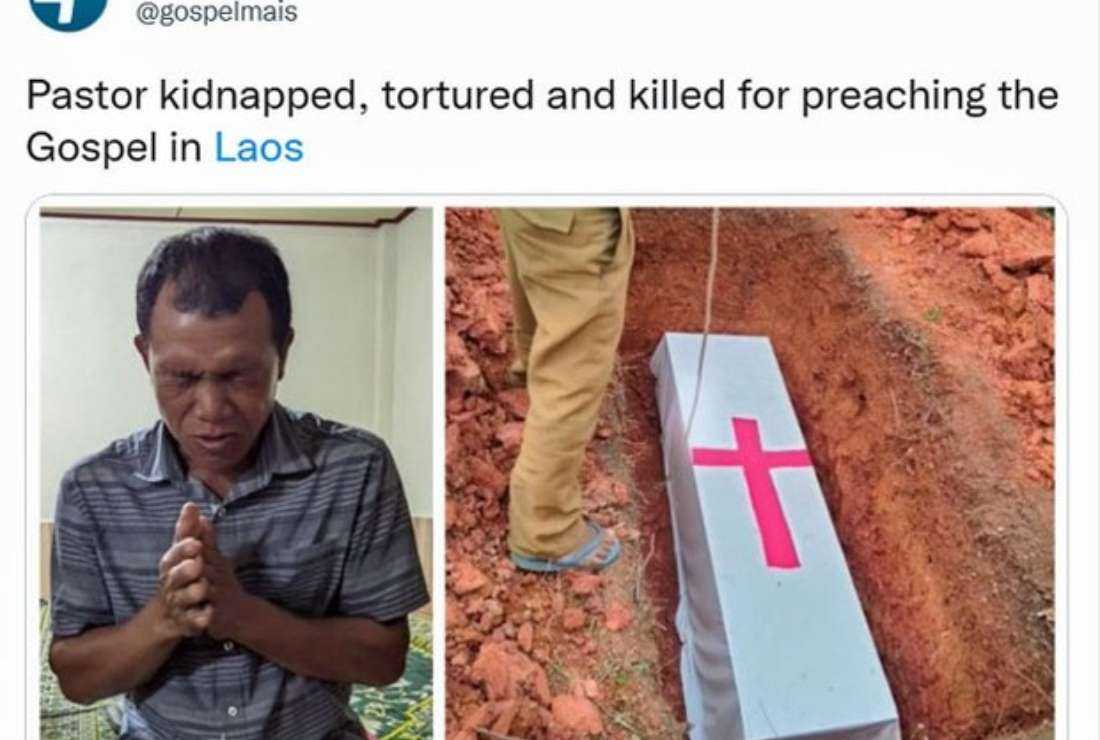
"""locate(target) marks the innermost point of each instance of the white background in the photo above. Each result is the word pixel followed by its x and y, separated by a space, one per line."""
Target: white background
pixel 794 43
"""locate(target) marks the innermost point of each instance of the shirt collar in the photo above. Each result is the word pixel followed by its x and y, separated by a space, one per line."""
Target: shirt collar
pixel 280 453
pixel 161 463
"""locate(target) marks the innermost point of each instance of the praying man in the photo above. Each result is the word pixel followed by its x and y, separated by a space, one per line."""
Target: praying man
pixel 234 568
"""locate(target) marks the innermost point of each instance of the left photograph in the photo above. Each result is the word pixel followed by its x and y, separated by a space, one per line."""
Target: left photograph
pixel 234 471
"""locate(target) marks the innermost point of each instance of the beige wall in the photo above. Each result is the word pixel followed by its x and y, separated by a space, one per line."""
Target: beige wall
pixel 362 353
pixel 406 410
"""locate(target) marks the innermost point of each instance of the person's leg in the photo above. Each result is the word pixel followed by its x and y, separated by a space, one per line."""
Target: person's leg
pixel 523 320
pixel 574 277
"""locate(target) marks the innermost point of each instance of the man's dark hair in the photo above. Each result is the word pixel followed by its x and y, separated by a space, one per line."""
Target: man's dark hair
pixel 214 268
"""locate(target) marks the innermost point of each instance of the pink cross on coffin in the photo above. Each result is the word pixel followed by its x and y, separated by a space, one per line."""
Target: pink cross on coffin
pixel 757 464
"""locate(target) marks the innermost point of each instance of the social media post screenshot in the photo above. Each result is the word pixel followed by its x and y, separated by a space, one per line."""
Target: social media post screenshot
pixel 590 371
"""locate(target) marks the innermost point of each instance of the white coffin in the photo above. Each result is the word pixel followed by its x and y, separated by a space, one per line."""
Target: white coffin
pixel 775 644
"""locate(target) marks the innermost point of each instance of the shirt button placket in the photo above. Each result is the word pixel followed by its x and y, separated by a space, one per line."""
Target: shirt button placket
pixel 217 512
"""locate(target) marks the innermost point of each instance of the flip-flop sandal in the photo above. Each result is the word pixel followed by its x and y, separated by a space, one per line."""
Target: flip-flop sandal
pixel 585 557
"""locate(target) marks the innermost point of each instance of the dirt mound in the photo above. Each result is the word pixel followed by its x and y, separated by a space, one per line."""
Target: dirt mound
pixel 980 284
pixel 917 346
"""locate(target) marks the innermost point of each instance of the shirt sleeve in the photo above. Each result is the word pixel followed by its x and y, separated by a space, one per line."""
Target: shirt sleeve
pixel 382 577
pixel 78 593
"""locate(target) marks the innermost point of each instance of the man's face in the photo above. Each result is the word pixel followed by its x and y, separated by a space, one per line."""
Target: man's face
pixel 214 379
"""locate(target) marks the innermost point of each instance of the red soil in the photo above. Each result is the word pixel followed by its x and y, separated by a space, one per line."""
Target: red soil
pixel 918 349
pixel 527 655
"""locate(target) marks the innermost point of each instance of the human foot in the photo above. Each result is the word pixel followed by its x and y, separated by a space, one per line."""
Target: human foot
pixel 599 551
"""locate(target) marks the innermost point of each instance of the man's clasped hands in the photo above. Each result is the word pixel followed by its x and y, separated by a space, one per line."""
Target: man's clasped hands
pixel 197 586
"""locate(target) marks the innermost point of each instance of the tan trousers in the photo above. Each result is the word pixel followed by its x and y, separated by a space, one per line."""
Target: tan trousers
pixel 568 271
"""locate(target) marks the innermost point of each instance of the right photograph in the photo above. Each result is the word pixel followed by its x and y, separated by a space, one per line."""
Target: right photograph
pixel 750 473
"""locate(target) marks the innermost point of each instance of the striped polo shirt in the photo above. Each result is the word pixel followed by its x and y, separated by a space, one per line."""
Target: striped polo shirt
pixel 319 526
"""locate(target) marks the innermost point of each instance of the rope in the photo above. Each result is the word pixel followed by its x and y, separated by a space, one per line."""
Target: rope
pixel 711 269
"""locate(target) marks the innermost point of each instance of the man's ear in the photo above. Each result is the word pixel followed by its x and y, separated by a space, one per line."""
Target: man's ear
pixel 142 346
pixel 283 352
